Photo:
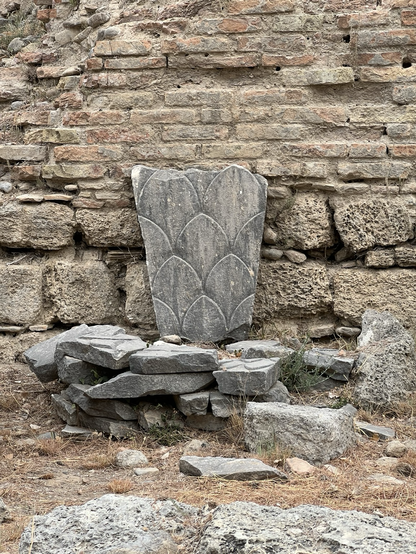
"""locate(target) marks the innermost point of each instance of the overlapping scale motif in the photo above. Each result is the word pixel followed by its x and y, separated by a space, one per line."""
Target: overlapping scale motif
pixel 202 231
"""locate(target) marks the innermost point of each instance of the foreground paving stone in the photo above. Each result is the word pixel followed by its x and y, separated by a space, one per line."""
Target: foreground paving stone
pixel 247 377
pixel 238 469
pixel 316 435
pixel 202 256
pixel 131 385
pixel 170 358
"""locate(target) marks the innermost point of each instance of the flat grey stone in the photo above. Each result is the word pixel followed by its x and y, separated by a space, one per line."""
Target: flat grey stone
pixel 202 231
pixel 278 393
pixel 66 410
pixel 132 385
pixel 206 422
pixel 247 377
pixel 247 528
pixel 112 524
pixel 71 370
pixel 316 435
pixel 193 404
pixel 107 426
pixel 102 349
pixel 131 458
pixel 387 362
pixel 142 471
pixel 222 405
pixel 329 361
pixel 170 358
pixel 375 431
pixel 349 332
pixel 75 432
pixel 237 469
pixel 259 349
pixel 113 409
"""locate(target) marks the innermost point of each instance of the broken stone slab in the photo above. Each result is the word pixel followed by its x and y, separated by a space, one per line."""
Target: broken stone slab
pixel 375 431
pixel 237 469
pixel 259 349
pixel 66 410
pixel 107 426
pixel 75 432
pixel 163 358
pixel 316 435
pixel 193 404
pixel 330 362
pixel 278 393
pixel 142 471
pixel 72 370
pixel 43 358
pixel 222 405
pixel 133 385
pixel 349 332
pixel 303 529
pixel 202 231
pixel 247 377
pixel 113 409
pixel 387 362
pixel 107 350
pixel 131 458
pixel 207 422
pixel 110 524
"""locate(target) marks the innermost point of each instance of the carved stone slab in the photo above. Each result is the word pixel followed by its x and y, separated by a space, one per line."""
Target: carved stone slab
pixel 202 231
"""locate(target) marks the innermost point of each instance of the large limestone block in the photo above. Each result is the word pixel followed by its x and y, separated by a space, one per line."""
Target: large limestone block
pixel 139 306
pixel 304 221
pixel 202 232
pixel 109 228
pixel 387 363
pixel 393 290
pixel 84 292
pixel 286 289
pixel 246 528
pixel 48 226
pixel 21 296
pixel 314 434
pixel 367 222
pixel 110 524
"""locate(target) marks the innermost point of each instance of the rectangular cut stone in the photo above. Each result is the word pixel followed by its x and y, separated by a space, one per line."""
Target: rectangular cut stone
pixel 205 291
pixel 114 409
pixel 247 377
pixel 327 359
pixel 237 469
pixel 21 152
pixel 20 294
pixel 131 385
pixel 169 358
pixel 193 404
pixel 112 351
pixel 122 48
pixel 108 426
pixel 259 349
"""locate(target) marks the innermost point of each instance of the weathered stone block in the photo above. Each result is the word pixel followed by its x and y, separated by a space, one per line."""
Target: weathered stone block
pixel 68 172
pixel 316 435
pixel 244 469
pixel 404 94
pixel 358 289
pixel 193 404
pixel 122 48
pixel 364 223
pixel 169 358
pixel 329 76
pixel 21 296
pixel 373 170
pixel 72 370
pixel 380 258
pixel 54 136
pixel 222 405
pixel 203 257
pixel 48 226
pixel 84 292
pixel 247 377
pixel 109 228
pixel 259 349
pixel 22 153
pixel 405 255
pixel 108 426
pixel 329 362
pixel 113 409
pixel 66 410
pixel 139 306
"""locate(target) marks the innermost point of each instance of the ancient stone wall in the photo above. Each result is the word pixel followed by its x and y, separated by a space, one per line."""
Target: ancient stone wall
pixel 318 96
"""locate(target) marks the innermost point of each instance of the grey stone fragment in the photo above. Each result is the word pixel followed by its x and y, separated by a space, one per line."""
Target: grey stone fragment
pixel 140 472
pixel 131 458
pixel 193 404
pixel 375 431
pixel 238 469
pixel 316 435
pixel 387 363
pixel 222 405
pixel 98 19
pixel 328 360
pixel 75 432
pixel 278 393
pixel 132 385
pixel 112 524
pixel 65 410
pixel 195 445
pixel 246 528
pixel 348 332
pixel 6 186
pixel 16 45
pixel 108 33
pixel 113 409
pixel 202 232
pixel 4 512
pixel 259 349
pixel 112 427
pixel 164 358
pixel 206 422
pixel 103 349
pixel 247 377
pixel 396 449
pixel 72 370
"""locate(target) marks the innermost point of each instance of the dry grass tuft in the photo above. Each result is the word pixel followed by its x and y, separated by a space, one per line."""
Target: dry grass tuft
pixel 11 530
pixel 99 461
pixel 8 403
pixel 234 432
pixel 120 486
pixel 50 447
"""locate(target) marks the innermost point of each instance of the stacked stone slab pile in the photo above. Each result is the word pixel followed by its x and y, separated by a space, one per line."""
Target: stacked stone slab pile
pixel 315 96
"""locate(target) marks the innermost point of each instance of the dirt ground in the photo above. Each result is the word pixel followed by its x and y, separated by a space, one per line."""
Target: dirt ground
pixel 37 475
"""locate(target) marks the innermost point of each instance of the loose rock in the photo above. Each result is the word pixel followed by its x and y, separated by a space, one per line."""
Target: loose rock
pixel 244 469
pixel 131 458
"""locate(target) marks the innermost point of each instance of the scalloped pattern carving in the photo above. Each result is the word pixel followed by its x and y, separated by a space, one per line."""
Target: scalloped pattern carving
pixel 202 231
